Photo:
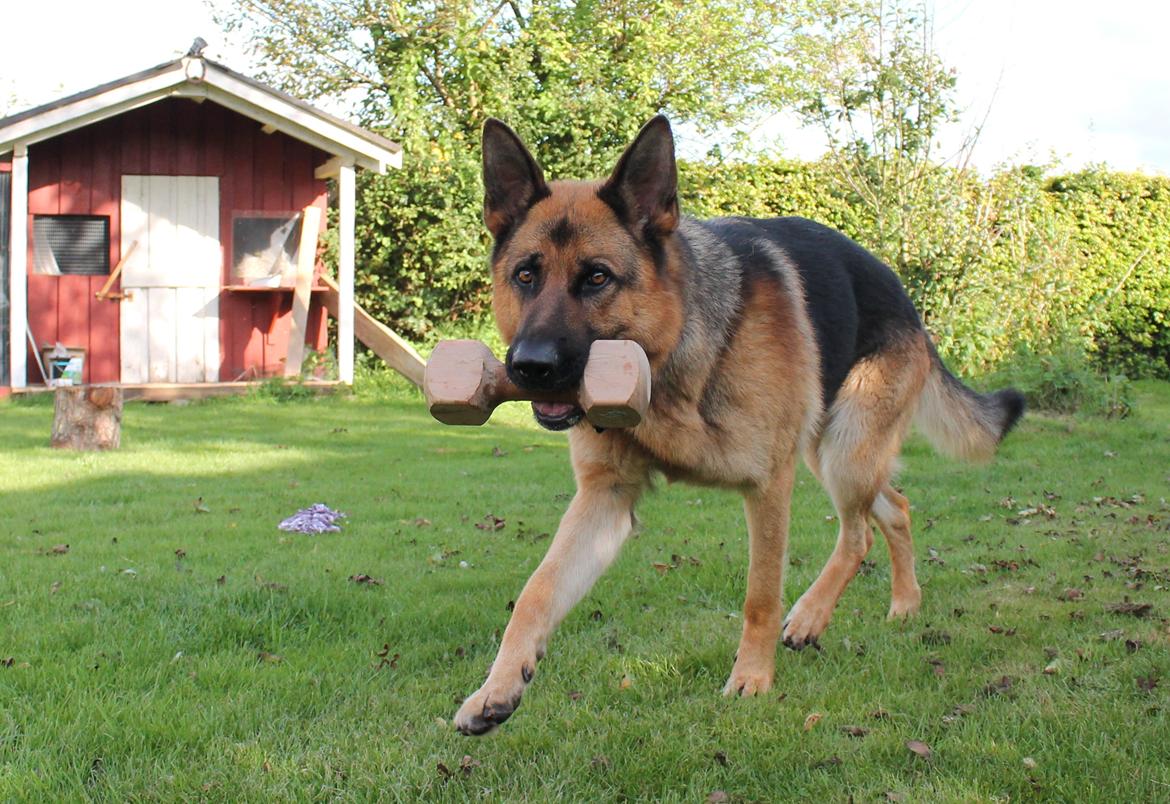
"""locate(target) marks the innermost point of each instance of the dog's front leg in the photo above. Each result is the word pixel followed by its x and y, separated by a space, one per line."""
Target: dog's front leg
pixel 591 533
pixel 767 519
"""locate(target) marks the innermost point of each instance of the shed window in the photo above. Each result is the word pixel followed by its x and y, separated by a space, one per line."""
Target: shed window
pixel 265 247
pixel 71 244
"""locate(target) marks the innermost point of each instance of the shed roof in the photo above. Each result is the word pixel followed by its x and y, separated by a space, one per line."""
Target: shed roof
pixel 200 78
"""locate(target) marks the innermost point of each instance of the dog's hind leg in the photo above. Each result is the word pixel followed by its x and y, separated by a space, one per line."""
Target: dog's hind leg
pixel 892 512
pixel 767 518
pixel 859 443
pixel 590 535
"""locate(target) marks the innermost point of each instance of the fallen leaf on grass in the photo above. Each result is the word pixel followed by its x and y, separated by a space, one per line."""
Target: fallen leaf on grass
pixel 54 587
pixel 1029 763
pixel 880 714
pixel 1052 668
pixel 270 658
pixel 1072 593
pixel 365 579
pixel 626 683
pixel 1129 607
pixel 831 762
pixel 1147 683
pixel 422 522
pixel 498 453
pixel 812 720
pixel 467 764
pixel 599 762
pixel 855 731
pixel 721 758
pixel 919 748
pixel 998 687
pixel 57 550
pixel 574 695
pixel 718 797
pixel 1109 636
pixel 491 522
pixel 385 659
pixel 443 770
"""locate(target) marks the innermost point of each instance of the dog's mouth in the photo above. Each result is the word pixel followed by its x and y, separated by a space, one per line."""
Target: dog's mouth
pixel 557 415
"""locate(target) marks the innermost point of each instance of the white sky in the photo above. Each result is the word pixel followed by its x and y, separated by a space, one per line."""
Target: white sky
pixel 1080 80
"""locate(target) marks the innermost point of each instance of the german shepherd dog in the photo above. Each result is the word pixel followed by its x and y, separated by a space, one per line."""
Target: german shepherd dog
pixel 768 339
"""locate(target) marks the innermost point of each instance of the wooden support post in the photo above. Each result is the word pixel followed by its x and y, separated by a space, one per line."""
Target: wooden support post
pixel 18 269
pixel 346 199
pixel 306 260
pixel 87 417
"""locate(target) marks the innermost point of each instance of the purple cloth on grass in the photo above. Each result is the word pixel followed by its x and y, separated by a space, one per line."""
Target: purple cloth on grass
pixel 318 518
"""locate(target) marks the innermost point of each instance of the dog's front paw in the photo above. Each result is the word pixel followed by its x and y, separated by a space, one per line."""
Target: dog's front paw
pixel 493 703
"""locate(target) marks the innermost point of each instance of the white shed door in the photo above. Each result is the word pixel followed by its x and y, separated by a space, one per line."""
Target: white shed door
pixel 170 325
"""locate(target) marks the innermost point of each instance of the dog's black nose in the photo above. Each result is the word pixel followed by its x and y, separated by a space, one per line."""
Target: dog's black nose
pixel 534 362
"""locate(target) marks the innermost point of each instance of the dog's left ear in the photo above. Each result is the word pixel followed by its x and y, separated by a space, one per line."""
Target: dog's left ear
pixel 643 189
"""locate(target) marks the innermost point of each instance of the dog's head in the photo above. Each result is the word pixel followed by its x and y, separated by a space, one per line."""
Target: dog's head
pixel 578 261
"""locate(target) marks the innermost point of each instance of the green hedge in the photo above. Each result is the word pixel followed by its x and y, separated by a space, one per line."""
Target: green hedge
pixel 1019 261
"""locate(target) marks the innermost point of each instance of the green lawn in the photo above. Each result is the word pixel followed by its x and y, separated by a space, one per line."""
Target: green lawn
pixel 174 653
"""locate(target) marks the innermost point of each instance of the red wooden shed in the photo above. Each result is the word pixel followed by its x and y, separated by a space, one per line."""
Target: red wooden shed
pixel 162 223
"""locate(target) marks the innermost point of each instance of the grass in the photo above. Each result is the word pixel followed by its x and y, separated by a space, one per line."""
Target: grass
pixel 249 667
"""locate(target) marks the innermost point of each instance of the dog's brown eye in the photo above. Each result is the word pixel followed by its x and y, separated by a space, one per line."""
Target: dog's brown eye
pixel 525 276
pixel 598 278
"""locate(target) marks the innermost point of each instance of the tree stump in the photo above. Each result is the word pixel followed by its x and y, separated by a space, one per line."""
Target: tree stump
pixel 87 418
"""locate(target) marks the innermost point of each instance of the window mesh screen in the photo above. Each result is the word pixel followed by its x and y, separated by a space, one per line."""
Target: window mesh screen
pixel 71 244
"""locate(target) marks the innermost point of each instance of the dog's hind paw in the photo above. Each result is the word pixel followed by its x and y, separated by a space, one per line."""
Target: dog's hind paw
pixel 804 625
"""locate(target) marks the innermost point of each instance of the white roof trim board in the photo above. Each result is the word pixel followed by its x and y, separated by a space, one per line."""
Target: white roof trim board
pixel 194 77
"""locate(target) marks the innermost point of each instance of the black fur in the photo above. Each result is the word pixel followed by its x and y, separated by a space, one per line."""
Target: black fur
pixel 855 301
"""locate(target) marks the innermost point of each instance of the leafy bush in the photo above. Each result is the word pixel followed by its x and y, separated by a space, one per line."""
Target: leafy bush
pixel 1064 380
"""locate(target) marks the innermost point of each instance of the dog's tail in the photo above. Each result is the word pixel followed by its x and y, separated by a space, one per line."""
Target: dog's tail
pixel 961 422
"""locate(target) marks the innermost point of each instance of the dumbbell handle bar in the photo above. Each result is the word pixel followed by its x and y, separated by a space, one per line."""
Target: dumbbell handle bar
pixel 464 382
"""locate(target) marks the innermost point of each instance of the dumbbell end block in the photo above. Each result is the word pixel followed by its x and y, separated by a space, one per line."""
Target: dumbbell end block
pixel 457 382
pixel 615 391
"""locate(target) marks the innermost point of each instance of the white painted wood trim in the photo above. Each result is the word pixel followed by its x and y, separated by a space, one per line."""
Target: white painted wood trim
pixel 268 108
pixel 90 110
pixel 346 200
pixel 18 270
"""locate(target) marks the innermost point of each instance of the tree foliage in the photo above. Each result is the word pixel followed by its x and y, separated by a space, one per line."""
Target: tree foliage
pixel 1011 264
pixel 576 79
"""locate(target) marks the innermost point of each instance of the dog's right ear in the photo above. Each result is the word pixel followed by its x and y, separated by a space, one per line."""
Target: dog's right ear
pixel 512 181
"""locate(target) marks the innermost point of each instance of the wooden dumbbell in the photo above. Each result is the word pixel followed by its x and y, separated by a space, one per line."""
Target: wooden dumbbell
pixel 464 382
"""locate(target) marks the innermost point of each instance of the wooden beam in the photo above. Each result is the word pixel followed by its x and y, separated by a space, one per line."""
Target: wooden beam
pixel 385 342
pixel 346 201
pixel 306 260
pixel 328 169
pixel 268 128
pixel 18 270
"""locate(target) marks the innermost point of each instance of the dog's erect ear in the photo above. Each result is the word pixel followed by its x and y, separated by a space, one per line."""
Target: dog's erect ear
pixel 643 189
pixel 512 180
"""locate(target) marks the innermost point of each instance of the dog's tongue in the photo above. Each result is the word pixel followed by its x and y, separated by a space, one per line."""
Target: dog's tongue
pixel 552 410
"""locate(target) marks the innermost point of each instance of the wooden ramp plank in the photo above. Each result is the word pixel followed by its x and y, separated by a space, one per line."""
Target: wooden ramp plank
pixel 306 260
pixel 385 342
